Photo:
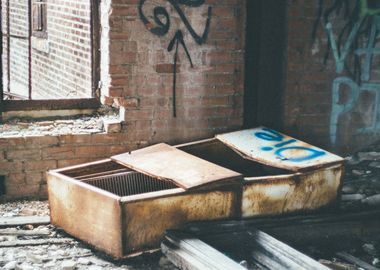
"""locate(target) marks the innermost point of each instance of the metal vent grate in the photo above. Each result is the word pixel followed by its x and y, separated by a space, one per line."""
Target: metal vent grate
pixel 129 183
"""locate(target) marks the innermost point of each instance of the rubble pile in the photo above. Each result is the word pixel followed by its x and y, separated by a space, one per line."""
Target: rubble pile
pixel 82 125
pixel 361 188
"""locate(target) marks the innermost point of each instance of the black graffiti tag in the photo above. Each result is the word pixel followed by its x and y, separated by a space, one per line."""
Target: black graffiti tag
pixel 161 27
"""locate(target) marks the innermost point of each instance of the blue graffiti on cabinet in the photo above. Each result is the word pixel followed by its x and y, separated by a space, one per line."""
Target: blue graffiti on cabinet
pixel 162 21
pixel 284 148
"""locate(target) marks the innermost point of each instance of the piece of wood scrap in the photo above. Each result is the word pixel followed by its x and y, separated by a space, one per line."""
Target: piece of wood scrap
pixel 187 252
pixel 37 242
pixel 24 220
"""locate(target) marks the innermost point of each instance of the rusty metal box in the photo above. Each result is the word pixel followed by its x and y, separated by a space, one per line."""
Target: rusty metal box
pixel 281 174
pixel 124 204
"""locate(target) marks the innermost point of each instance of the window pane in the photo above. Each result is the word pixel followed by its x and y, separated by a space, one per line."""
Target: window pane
pixel 59 54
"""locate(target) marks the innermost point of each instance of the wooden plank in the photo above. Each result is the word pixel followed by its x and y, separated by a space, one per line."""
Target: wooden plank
pixel 352 259
pixel 14 231
pixel 166 162
pixel 272 148
pixel 36 242
pixel 275 254
pixel 24 220
pixel 187 252
pixel 318 227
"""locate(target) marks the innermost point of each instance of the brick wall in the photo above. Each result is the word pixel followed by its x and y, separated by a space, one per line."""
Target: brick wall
pixel 25 160
pixel 137 69
pixel 64 71
pixel 61 61
pixel 137 77
pixel 323 104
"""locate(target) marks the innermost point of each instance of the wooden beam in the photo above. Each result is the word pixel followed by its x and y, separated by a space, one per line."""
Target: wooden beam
pixel 275 254
pixel 14 231
pixel 349 258
pixel 24 220
pixel 288 228
pixel 36 242
pixel 187 252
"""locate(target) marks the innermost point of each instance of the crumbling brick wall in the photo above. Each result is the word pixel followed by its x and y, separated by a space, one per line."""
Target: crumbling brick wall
pixel 25 160
pixel 137 77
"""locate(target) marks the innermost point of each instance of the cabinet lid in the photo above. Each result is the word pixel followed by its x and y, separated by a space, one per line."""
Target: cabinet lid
pixel 275 149
pixel 169 163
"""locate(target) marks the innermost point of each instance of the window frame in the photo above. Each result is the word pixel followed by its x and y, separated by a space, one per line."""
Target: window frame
pixel 40 7
pixel 61 104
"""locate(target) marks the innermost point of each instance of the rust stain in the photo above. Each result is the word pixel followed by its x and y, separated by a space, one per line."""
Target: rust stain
pixel 147 221
pixel 85 214
pixel 301 191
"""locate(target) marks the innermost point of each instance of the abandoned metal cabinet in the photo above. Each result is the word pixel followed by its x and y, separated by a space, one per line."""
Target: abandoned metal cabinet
pixel 124 204
pixel 281 174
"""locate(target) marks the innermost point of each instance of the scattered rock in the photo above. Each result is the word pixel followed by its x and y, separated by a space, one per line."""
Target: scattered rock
pixel 376 262
pixel 244 263
pixel 95 267
pixel 368 156
pixel 10 265
pixel 84 261
pixel 349 189
pixel 375 164
pixel 50 264
pixel 28 227
pixel 352 160
pixel 68 265
pixel 28 212
pixel 369 249
pixel 353 197
pixel 164 262
pixel 25 266
pixel 358 172
pixel 372 200
pixel 34 258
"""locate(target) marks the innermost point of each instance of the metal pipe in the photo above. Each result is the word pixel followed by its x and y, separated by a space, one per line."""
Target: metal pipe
pixel 8 49
pixel 30 49
pixel 1 56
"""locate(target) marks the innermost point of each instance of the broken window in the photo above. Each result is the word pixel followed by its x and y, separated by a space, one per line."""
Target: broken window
pixel 49 54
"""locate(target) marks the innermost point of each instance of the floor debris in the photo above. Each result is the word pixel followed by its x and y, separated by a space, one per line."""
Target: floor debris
pixel 361 192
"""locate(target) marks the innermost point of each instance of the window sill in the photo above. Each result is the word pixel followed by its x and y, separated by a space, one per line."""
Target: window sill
pixel 82 125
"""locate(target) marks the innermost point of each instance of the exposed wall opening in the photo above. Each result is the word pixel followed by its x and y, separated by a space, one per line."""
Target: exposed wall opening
pixel 266 34
pixel 49 53
pixel 2 185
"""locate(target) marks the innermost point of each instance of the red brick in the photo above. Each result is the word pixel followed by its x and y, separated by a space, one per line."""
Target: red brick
pixel 10 166
pixel 58 152
pixel 29 154
pixel 127 102
pixel 167 68
pixel 40 165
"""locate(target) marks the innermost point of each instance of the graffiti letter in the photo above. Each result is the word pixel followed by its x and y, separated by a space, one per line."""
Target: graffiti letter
pixel 313 153
pixel 370 50
pixel 341 57
pixel 269 135
pixel 337 107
